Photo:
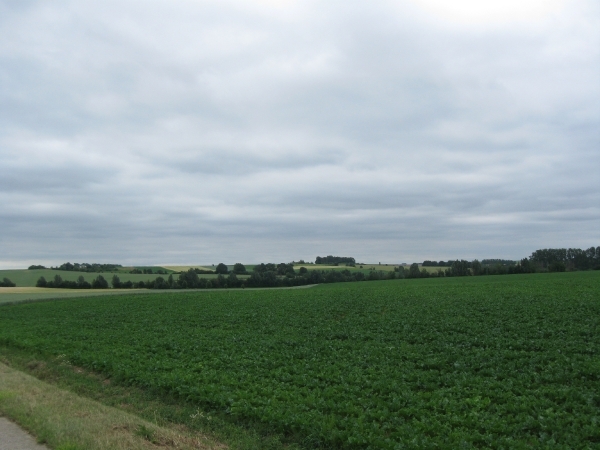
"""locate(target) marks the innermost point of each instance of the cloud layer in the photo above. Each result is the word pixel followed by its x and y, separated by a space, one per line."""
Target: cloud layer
pixel 199 132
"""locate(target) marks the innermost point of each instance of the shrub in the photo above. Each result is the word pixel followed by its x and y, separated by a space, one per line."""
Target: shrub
pixel 7 283
pixel 221 269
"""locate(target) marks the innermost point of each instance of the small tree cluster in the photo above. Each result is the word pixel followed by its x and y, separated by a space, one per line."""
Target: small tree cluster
pixel 7 283
pixel 334 260
pixel 86 267
pixel 147 270
pixel 428 263
pixel 561 259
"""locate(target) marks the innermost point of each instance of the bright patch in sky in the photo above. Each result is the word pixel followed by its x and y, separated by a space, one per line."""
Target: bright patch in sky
pixel 482 11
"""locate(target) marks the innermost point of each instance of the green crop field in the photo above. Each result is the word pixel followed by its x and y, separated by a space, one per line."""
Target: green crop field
pixel 474 362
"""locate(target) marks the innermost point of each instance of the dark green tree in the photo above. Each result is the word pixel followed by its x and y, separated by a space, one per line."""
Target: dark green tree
pixel 116 282
pixel 188 280
pixel 82 284
pixel 221 269
pixel 232 281
pixel 413 271
pixel 100 283
pixel 7 283
pixel 557 266
pixel 239 268
pixel 285 269
pixel 476 267
pixel 459 269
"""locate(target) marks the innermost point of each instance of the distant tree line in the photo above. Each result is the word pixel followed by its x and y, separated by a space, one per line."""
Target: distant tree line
pixel 98 283
pixel 148 271
pixel 7 283
pixel 545 260
pixel 428 263
pixel 263 275
pixel 495 262
pixel 462 268
pixel 485 262
pixel 95 267
pixel 81 267
pixel 561 259
pixel 284 274
pixel 334 260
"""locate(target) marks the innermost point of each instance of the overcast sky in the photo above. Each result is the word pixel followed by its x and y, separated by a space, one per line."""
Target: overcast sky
pixel 157 132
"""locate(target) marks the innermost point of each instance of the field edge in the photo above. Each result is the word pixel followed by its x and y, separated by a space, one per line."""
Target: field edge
pixel 164 414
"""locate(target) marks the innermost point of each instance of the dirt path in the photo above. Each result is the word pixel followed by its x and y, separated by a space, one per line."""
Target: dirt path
pixel 12 437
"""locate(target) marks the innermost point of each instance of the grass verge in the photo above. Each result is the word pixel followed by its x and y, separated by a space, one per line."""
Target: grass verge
pixel 68 407
pixel 64 420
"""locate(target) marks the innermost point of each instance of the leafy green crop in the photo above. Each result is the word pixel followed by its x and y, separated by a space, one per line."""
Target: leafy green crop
pixel 500 362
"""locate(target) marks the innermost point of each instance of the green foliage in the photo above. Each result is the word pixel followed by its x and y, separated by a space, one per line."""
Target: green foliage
pixel 83 267
pixel 99 283
pixel 413 271
pixel 7 283
pixel 428 263
pixel 239 268
pixel 28 278
pixel 68 447
pixel 473 362
pixel 286 269
pixel 145 432
pixel 334 260
pixel 148 270
pixel 502 262
pixel 58 282
pixel 554 259
pixel 221 269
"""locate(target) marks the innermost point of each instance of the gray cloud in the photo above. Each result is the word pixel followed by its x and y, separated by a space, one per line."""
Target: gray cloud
pixel 206 131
